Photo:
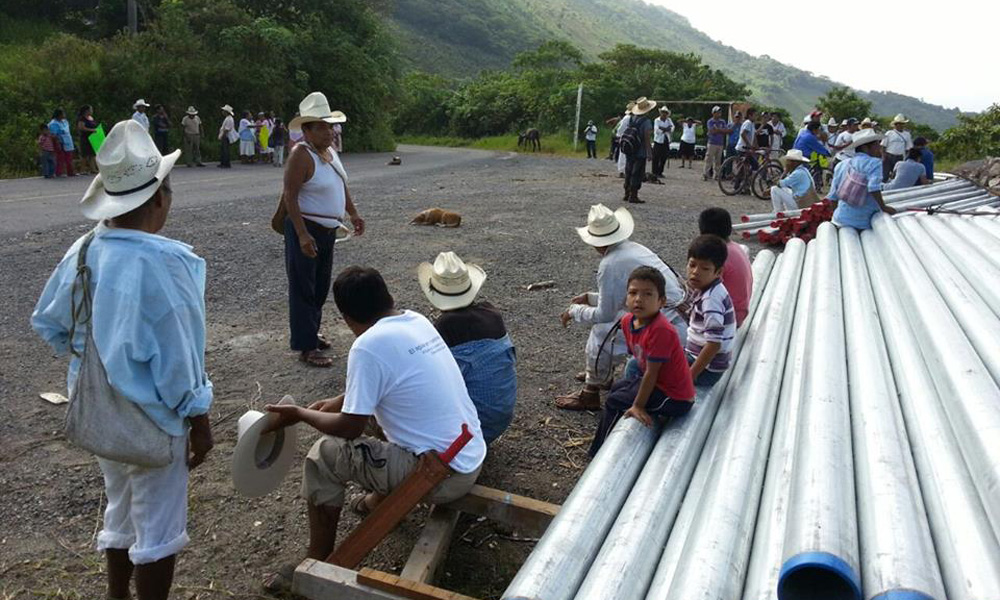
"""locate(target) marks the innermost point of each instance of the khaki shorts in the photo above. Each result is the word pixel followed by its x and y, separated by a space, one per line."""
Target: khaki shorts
pixel 375 465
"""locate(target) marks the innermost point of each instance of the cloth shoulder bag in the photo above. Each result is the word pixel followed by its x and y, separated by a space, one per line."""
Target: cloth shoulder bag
pixel 278 218
pixel 98 418
pixel 854 188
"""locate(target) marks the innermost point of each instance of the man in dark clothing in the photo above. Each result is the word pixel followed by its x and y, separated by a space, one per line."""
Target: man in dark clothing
pixel 635 165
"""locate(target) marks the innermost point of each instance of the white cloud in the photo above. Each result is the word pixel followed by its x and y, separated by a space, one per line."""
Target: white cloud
pixel 937 51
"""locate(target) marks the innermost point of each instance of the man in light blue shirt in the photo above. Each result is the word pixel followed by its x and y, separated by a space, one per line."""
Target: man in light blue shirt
pixel 867 162
pixel 908 173
pixel 796 187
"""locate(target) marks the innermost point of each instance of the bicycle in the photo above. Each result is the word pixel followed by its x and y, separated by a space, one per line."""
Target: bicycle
pixel 822 174
pixel 749 172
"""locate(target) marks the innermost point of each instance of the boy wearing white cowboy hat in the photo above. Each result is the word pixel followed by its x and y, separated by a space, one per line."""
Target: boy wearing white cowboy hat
pixel 147 299
pixel 896 143
pixel 796 189
pixel 139 116
pixel 316 197
pixel 865 169
pixel 400 372
pixel 608 232
pixel 476 334
pixel 191 127
pixel 635 165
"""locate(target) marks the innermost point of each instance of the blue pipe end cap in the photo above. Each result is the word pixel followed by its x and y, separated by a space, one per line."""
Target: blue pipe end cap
pixel 902 595
pixel 819 575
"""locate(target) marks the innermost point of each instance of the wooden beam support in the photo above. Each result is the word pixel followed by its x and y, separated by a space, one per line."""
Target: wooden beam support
pixel 521 513
pixel 405 588
pixel 318 580
pixel 432 547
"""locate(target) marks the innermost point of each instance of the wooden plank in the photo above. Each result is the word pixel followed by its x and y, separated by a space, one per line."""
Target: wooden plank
pixel 428 473
pixel 318 580
pixel 521 513
pixel 405 588
pixel 432 546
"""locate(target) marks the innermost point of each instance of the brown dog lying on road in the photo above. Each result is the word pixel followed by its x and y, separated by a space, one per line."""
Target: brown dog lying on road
pixel 437 216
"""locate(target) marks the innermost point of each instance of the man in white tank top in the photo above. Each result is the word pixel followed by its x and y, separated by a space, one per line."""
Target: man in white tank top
pixel 316 198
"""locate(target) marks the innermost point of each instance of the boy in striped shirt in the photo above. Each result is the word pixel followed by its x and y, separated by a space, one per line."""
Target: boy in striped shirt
pixel 712 319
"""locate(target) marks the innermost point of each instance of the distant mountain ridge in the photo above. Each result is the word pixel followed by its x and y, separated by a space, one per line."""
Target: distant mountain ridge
pixel 461 37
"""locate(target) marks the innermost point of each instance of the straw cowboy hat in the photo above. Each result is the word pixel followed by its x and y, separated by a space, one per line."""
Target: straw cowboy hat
pixel 313 108
pixel 606 228
pixel 643 106
pixel 228 109
pixel 900 118
pixel 832 122
pixel 794 155
pixel 140 102
pixel 450 283
pixel 261 462
pixel 664 109
pixel 192 111
pixel 864 136
pixel 130 170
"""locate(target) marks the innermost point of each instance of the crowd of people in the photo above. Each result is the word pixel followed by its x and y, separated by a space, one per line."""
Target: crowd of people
pixel 264 139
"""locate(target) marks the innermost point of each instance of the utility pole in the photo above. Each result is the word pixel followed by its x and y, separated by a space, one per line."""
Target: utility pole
pixel 133 17
pixel 576 130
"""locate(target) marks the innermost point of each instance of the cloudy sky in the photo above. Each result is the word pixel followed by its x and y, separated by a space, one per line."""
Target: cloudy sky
pixel 942 52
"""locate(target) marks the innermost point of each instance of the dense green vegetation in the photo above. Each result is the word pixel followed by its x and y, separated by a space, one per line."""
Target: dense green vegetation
pixel 975 137
pixel 253 54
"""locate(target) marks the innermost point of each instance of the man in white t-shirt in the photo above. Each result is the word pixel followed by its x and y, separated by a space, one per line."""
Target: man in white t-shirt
pixel 663 127
pixel 843 146
pixel 778 132
pixel 896 143
pixel 401 372
pixel 748 132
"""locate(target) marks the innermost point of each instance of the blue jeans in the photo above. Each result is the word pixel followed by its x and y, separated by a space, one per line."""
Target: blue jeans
pixel 706 380
pixel 47 162
pixel 620 399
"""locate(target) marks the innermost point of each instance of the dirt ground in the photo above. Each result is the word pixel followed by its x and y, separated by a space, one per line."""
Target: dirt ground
pixel 518 218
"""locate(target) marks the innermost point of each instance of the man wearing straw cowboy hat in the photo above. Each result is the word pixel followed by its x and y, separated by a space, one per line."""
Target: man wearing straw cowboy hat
pixel 146 323
pixel 608 233
pixel 476 334
pixel 895 144
pixel 140 116
pixel 635 165
pixel 316 199
pixel 191 127
pixel 227 137
pixel 796 189
pixel 857 183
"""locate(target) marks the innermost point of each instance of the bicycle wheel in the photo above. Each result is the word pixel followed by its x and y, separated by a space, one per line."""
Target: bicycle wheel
pixel 765 177
pixel 826 178
pixel 731 176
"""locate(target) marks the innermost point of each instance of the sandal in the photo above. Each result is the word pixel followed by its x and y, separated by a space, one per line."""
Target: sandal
pixel 322 343
pixel 360 505
pixel 314 358
pixel 280 582
pixel 583 400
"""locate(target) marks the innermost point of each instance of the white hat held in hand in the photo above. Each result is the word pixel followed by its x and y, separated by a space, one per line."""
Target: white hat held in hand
pixel 261 462
pixel 795 155
pixel 864 136
pixel 129 171
pixel 315 107
pixel 450 283
pixel 140 102
pixel 606 228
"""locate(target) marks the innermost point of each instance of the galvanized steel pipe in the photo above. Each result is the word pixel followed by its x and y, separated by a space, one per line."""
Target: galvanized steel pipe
pixel 897 553
pixel 713 561
pixel 821 543
pixel 966 547
pixel 988 246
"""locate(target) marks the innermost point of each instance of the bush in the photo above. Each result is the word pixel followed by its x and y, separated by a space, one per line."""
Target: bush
pixel 976 136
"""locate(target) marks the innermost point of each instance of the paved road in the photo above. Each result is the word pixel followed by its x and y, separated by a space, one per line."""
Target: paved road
pixel 35 203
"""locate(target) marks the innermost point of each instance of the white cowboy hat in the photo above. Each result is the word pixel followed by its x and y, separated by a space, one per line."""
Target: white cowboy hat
pixel 344 232
pixel 606 228
pixel 796 155
pixel 129 171
pixel 716 109
pixel 900 118
pixel 864 136
pixel 643 106
pixel 450 283
pixel 315 107
pixel 866 121
pixel 843 123
pixel 832 122
pixel 228 109
pixel 260 462
pixel 140 102
pixel 192 110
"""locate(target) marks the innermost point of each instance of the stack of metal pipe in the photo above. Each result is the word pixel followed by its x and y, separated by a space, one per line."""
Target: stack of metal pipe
pixel 851 452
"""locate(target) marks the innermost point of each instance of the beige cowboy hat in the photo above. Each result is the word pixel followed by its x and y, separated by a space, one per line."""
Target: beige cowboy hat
pixel 313 108
pixel 261 462
pixel 192 110
pixel 867 121
pixel 450 283
pixel 140 102
pixel 664 109
pixel 606 227
pixel 129 171
pixel 832 122
pixel 900 118
pixel 794 155
pixel 864 136
pixel 228 109
pixel 643 106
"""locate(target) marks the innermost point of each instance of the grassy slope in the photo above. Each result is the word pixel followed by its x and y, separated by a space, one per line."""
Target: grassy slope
pixel 461 37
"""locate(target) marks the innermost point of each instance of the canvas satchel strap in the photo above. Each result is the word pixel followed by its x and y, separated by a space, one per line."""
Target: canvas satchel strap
pixel 81 311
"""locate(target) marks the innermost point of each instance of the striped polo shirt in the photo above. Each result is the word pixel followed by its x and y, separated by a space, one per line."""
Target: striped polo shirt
pixel 713 319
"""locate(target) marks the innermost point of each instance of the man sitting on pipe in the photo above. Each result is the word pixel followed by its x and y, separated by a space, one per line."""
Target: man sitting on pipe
pixel 857 183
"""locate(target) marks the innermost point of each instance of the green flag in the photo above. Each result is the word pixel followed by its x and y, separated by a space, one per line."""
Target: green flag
pixel 96 139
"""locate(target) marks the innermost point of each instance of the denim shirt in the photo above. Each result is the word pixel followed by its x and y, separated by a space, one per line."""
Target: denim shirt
pixel 148 321
pixel 858 217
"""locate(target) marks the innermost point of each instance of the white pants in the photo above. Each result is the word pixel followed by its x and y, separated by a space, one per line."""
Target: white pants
pixel 147 508
pixel 782 199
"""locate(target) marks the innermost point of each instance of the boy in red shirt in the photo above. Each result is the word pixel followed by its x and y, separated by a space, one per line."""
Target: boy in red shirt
pixel 663 388
pixel 737 273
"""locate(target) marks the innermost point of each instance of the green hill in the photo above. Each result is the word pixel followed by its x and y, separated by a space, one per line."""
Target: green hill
pixel 461 37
